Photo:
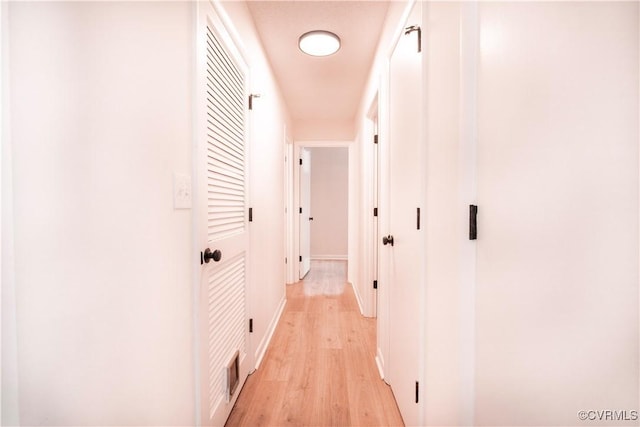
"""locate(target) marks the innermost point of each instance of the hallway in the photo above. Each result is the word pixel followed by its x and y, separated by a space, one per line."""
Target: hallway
pixel 319 368
pixel 154 215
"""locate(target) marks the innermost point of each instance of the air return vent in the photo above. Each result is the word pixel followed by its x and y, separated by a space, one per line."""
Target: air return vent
pixel 233 375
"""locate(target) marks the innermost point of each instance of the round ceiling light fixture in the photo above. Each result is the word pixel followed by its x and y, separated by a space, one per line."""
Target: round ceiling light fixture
pixel 319 43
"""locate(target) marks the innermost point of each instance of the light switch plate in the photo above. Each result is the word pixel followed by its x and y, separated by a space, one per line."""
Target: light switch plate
pixel 181 191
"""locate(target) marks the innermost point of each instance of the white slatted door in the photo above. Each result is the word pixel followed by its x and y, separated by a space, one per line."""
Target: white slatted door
pixel 223 219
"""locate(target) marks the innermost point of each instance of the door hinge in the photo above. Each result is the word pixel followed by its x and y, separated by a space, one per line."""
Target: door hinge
pixel 418 219
pixel 201 258
pixel 375 139
pixel 301 209
pixel 286 261
pixel 417 28
pixel 300 258
pixel 253 95
pixel 250 214
pixel 251 325
pixel 300 162
pixel 473 224
pixel 375 211
pixel 417 391
pixel 375 284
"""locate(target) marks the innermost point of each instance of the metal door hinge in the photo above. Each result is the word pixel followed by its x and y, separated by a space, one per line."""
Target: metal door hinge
pixel 301 209
pixel 251 325
pixel 375 211
pixel 300 258
pixel 201 258
pixel 417 391
pixel 473 224
pixel 417 28
pixel 300 162
pixel 375 139
pixel 253 95
pixel 286 261
pixel 375 284
pixel 418 218
pixel 250 214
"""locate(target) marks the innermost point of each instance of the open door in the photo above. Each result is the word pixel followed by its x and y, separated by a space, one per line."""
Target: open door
pixel 305 211
pixel 221 218
pixel 403 243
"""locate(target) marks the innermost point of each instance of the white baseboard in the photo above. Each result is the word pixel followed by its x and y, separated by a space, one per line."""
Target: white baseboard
pixel 329 257
pixel 380 363
pixel 262 348
pixel 358 299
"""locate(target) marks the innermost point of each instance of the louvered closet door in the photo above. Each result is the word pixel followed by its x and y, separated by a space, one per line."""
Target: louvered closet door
pixel 222 187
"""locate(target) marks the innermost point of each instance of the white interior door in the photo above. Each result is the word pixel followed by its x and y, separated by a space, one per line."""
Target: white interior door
pixel 406 251
pixel 557 248
pixel 305 211
pixel 222 218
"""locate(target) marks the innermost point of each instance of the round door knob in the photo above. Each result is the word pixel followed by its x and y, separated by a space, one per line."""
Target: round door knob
pixel 387 240
pixel 215 255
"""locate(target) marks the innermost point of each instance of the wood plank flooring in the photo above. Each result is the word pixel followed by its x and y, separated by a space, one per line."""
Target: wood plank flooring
pixel 319 369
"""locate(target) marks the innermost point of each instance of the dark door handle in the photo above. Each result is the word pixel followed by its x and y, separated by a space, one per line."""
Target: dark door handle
pixel 387 240
pixel 215 255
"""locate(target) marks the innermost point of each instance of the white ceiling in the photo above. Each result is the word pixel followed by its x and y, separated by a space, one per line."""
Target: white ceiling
pixel 327 88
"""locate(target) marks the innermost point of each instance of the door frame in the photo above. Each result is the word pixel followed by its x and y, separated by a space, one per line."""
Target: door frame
pixel 294 217
pixel 370 199
pixel 304 211
pixel 289 254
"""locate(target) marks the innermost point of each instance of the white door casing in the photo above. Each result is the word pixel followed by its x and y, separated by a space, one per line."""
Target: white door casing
pixel 375 231
pixel 221 214
pixel 305 211
pixel 405 193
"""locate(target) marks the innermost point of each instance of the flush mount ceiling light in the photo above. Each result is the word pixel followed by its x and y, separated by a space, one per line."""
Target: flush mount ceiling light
pixel 319 43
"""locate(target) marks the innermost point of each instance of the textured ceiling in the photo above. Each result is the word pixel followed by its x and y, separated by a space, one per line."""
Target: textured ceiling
pixel 327 88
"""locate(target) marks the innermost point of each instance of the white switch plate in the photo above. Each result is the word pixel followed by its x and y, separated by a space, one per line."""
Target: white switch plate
pixel 181 191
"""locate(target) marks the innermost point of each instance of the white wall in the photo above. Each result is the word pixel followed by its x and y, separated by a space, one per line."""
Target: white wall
pixel 323 130
pixel 444 215
pixel 268 121
pixel 557 268
pixel 329 202
pixel 100 103
pixel 9 411
pixel 101 119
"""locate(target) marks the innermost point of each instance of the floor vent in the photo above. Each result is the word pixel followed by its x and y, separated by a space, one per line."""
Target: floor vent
pixel 233 375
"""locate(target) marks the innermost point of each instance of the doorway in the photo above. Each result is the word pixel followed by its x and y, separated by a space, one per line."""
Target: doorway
pixel 323 185
pixel 329 185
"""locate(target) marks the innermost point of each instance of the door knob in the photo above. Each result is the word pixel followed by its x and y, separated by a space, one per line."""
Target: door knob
pixel 387 240
pixel 215 255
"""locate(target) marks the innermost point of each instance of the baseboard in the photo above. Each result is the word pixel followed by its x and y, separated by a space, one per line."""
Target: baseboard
pixel 262 348
pixel 329 257
pixel 358 299
pixel 380 363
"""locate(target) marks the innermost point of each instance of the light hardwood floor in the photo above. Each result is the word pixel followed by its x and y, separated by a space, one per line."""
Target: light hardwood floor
pixel 319 369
